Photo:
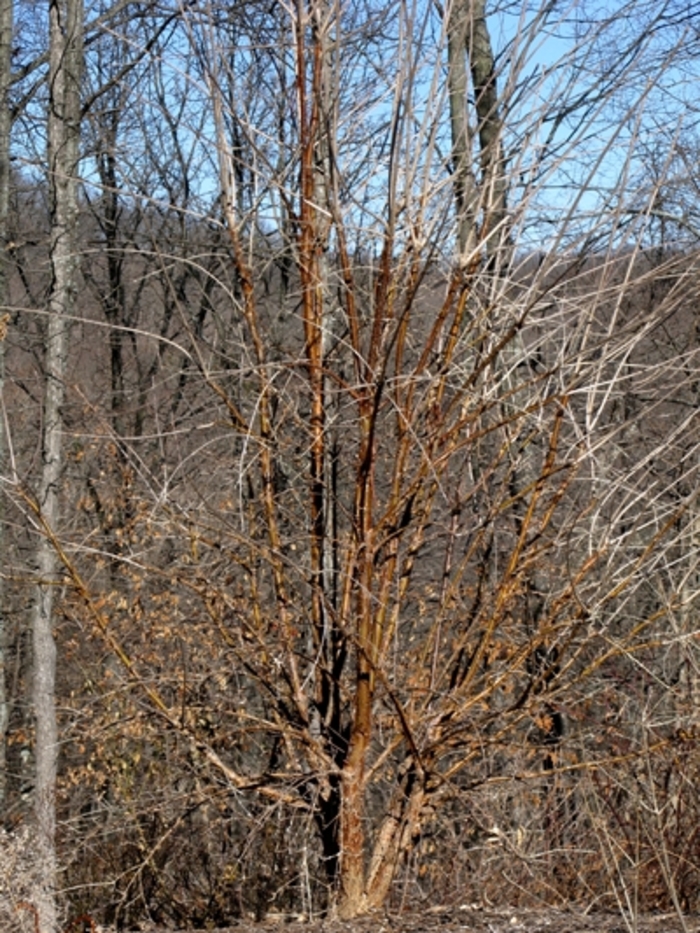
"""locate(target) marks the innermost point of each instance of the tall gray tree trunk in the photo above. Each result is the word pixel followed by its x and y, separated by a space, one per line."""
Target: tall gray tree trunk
pixel 6 14
pixel 65 62
pixel 490 122
pixel 470 52
pixel 463 180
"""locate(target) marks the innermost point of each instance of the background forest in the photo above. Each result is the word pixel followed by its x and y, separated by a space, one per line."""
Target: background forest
pixel 349 450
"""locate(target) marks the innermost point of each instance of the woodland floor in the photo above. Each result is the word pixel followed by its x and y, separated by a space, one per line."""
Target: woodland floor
pixel 477 920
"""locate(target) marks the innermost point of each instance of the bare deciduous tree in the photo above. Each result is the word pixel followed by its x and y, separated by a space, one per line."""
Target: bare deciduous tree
pixel 64 112
pixel 6 16
pixel 399 559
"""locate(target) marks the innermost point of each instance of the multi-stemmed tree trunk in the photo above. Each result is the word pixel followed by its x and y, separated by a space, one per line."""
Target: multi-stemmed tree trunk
pixel 430 395
pixel 392 466
pixel 65 62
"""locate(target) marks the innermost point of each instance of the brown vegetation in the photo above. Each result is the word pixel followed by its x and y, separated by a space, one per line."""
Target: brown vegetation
pixel 376 550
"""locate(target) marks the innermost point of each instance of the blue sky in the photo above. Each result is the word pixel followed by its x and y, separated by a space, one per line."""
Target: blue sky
pixel 545 65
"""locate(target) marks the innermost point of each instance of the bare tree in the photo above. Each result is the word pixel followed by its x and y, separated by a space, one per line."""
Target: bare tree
pixel 397 545
pixel 410 443
pixel 65 67
pixel 6 16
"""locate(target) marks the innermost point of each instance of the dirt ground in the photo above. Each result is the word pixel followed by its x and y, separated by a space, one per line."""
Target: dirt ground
pixel 468 919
